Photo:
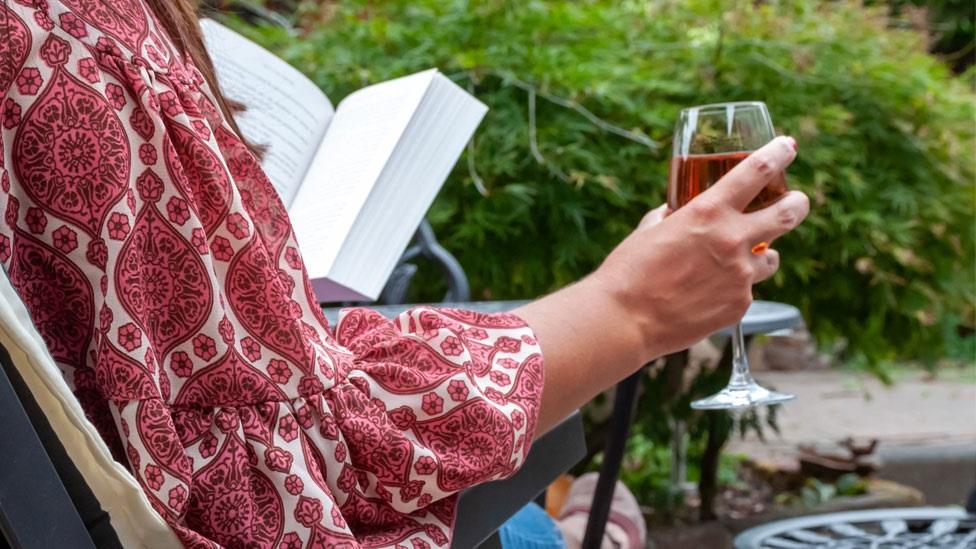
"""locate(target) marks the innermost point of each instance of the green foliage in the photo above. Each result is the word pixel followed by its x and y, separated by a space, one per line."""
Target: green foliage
pixel 951 25
pixel 960 346
pixel 646 470
pixel 816 492
pixel 583 96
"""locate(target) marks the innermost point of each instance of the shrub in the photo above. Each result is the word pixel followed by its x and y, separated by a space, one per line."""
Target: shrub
pixel 583 96
pixel 949 23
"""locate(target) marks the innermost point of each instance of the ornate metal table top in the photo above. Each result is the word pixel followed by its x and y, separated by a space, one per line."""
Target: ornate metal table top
pixel 915 527
pixel 390 311
pixel 762 316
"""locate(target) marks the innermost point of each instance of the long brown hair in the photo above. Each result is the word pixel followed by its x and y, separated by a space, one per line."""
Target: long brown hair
pixel 179 19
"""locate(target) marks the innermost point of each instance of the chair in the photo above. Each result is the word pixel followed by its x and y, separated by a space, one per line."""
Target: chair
pixel 41 505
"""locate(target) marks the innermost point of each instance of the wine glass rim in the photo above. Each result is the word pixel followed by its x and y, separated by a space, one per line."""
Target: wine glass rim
pixel 716 106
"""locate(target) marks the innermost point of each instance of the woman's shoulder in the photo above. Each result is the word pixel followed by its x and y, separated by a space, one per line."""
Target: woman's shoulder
pixel 126 29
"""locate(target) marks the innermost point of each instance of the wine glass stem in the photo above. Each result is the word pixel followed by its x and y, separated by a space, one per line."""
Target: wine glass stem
pixel 740 359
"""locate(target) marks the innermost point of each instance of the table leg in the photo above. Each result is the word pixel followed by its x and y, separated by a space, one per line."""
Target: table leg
pixel 674 374
pixel 719 428
pixel 623 411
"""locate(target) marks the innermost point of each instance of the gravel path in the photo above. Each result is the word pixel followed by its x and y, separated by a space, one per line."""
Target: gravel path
pixel 918 422
pixel 831 405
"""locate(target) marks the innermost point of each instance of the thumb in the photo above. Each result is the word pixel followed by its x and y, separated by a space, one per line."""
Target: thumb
pixel 654 216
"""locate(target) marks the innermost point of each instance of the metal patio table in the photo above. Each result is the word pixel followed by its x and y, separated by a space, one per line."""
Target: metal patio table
pixel 761 318
pixel 914 527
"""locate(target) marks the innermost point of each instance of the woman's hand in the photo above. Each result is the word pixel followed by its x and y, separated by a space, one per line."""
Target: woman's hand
pixel 675 280
pixel 691 273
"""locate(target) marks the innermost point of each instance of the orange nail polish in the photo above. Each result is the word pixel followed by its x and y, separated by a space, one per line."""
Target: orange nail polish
pixel 760 248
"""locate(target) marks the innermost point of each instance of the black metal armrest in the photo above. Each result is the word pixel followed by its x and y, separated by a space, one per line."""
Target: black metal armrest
pixel 425 245
pixel 36 511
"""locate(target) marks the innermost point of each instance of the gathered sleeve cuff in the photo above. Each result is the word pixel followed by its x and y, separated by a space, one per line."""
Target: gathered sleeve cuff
pixel 454 395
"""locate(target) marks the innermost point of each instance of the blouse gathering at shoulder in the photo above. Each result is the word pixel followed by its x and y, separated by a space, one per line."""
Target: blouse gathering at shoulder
pixel 121 31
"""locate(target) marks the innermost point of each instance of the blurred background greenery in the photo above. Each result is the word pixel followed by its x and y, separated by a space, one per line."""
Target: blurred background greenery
pixel 583 97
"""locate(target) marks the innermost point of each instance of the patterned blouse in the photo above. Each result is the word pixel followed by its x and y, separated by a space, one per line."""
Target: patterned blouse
pixel 161 269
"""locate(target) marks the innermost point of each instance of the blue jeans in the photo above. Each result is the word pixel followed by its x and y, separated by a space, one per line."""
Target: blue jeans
pixel 531 528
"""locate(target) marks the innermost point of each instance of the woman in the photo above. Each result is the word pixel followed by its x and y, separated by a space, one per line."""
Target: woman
pixel 161 269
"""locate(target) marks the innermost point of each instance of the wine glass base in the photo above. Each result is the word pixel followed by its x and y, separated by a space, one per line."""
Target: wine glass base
pixel 744 396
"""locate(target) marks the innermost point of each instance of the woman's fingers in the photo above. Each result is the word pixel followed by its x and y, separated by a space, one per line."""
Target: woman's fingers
pixel 765 264
pixel 777 219
pixel 743 183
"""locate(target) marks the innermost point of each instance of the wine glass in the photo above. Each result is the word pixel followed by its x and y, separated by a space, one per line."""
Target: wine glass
pixel 709 140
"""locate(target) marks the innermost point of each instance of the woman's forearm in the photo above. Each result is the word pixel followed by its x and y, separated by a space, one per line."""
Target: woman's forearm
pixel 589 341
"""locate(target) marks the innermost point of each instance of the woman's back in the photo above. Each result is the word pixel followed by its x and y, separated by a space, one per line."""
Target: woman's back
pixel 160 267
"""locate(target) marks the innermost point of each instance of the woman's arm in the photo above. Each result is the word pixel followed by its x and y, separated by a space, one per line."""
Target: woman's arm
pixel 672 282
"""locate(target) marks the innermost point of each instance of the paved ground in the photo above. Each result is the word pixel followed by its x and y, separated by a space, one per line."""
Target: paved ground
pixel 927 428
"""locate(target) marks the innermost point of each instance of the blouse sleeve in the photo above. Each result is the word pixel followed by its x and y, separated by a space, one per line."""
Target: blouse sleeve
pixel 458 391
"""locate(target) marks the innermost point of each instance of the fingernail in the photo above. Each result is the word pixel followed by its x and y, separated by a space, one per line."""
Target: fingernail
pixel 792 142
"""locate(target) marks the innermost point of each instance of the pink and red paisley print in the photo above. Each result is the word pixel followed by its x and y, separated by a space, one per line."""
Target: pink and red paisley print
pixel 160 268
pixel 73 153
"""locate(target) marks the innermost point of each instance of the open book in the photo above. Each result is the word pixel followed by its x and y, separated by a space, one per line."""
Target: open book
pixel 356 179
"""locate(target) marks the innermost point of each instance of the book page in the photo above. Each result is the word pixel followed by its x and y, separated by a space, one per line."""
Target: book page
pixel 362 136
pixel 286 112
pixel 430 146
